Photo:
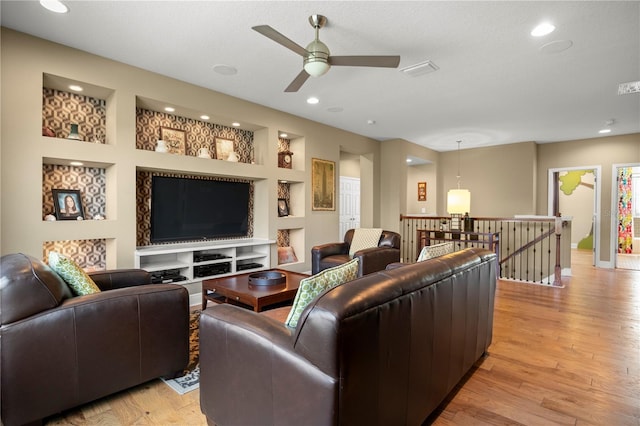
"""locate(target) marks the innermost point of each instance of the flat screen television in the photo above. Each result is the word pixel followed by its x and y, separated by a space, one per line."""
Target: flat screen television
pixel 188 209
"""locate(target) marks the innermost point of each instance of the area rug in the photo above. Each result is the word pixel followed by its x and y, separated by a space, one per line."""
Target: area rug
pixel 190 380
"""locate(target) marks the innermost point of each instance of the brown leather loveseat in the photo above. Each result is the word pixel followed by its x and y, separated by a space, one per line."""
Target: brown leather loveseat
pixel 59 351
pixel 384 349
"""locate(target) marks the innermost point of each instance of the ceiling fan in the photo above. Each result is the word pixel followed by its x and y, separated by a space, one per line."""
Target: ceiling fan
pixel 316 57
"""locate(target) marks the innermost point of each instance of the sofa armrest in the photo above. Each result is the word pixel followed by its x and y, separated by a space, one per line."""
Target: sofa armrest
pixel 120 278
pixel 92 346
pixel 323 250
pixel 376 259
pixel 248 354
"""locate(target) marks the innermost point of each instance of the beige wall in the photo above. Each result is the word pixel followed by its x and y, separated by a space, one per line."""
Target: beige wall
pixel 603 152
pixel 421 173
pixel 24 61
pixel 501 179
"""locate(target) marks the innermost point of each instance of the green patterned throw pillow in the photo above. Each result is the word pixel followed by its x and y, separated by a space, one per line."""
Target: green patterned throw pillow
pixel 313 286
pixel 75 277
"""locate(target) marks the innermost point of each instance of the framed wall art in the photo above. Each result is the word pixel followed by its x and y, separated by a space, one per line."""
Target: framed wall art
pixel 283 207
pixel 422 191
pixel 323 184
pixel 176 139
pixel 68 204
pixel 224 148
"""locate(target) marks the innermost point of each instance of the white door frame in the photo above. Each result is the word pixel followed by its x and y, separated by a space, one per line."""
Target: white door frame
pixel 596 207
pixel 613 250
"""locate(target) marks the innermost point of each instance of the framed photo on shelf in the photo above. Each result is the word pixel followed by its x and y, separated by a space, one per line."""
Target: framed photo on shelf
pixel 176 139
pixel 283 207
pixel 67 204
pixel 224 148
pixel 323 184
pixel 422 191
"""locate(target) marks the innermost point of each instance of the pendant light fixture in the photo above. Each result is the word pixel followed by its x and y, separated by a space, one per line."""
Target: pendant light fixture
pixel 458 200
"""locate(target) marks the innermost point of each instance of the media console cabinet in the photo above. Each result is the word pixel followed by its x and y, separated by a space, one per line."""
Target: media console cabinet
pixel 186 263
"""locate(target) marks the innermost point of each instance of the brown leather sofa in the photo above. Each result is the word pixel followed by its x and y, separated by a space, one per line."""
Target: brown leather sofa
pixel 59 351
pixel 384 349
pixel 371 260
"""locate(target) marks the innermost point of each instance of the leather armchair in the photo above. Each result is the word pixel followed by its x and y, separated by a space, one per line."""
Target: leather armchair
pixel 60 351
pixel 371 260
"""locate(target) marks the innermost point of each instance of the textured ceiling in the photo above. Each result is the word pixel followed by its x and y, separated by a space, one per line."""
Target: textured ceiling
pixel 495 84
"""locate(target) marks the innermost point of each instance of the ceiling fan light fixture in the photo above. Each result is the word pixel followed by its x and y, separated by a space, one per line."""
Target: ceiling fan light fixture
pixel 316 63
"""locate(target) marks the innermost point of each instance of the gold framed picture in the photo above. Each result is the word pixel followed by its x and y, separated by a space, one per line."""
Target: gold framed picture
pixel 176 139
pixel 422 191
pixel 323 184
pixel 224 148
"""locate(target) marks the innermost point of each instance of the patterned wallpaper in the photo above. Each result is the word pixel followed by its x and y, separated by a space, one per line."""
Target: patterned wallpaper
pixel 61 109
pixel 198 134
pixel 282 239
pixel 143 197
pixel 91 255
pixel 91 182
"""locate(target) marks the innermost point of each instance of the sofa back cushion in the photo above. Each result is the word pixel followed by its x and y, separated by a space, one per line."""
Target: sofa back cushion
pixel 416 328
pixel 28 286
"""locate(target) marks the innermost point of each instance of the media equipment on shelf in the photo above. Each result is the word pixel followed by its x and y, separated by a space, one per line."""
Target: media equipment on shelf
pixel 167 276
pixel 245 266
pixel 211 269
pixel 203 257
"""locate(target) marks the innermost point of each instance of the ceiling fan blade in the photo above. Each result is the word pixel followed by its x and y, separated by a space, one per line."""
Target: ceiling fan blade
pixel 274 35
pixel 297 82
pixel 365 61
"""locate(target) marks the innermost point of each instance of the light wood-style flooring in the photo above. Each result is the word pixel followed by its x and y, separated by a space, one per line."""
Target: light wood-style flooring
pixel 560 356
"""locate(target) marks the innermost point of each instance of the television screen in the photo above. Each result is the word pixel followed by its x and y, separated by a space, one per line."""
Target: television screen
pixel 187 209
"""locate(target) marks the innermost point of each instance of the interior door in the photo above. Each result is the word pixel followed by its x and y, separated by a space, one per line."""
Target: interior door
pixel 349 204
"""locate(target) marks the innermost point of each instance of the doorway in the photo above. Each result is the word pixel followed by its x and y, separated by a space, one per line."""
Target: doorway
pixel 349 204
pixel 574 192
pixel 626 218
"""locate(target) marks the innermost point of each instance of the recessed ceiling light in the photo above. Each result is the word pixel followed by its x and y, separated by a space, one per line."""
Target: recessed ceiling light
pixel 409 160
pixel 76 163
pixel 205 117
pixel 76 88
pixel 313 100
pixel 601 131
pixel 225 69
pixel 371 122
pixel 235 124
pixel 169 109
pixel 283 135
pixel 54 6
pixel 543 29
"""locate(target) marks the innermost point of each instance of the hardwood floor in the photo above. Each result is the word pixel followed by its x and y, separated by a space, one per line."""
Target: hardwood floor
pixel 560 356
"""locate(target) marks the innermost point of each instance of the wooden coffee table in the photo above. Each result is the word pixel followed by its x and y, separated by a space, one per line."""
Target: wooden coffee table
pixel 237 290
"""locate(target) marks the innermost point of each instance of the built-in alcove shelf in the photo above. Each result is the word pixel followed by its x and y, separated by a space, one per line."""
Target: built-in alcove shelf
pixel 291 151
pixel 188 132
pixel 85 107
pixel 290 242
pixel 91 255
pixel 86 185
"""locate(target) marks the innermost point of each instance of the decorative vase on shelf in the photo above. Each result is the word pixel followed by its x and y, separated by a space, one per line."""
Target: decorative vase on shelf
pixel 204 153
pixel 233 157
pixel 161 146
pixel 73 134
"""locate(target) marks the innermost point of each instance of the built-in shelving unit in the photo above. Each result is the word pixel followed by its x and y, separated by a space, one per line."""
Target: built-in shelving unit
pixel 100 160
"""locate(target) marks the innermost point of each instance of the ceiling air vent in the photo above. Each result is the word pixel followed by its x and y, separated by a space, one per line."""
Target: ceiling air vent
pixel 631 87
pixel 419 69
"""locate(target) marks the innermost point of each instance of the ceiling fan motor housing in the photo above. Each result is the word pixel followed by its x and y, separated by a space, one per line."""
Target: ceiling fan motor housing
pixel 316 62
